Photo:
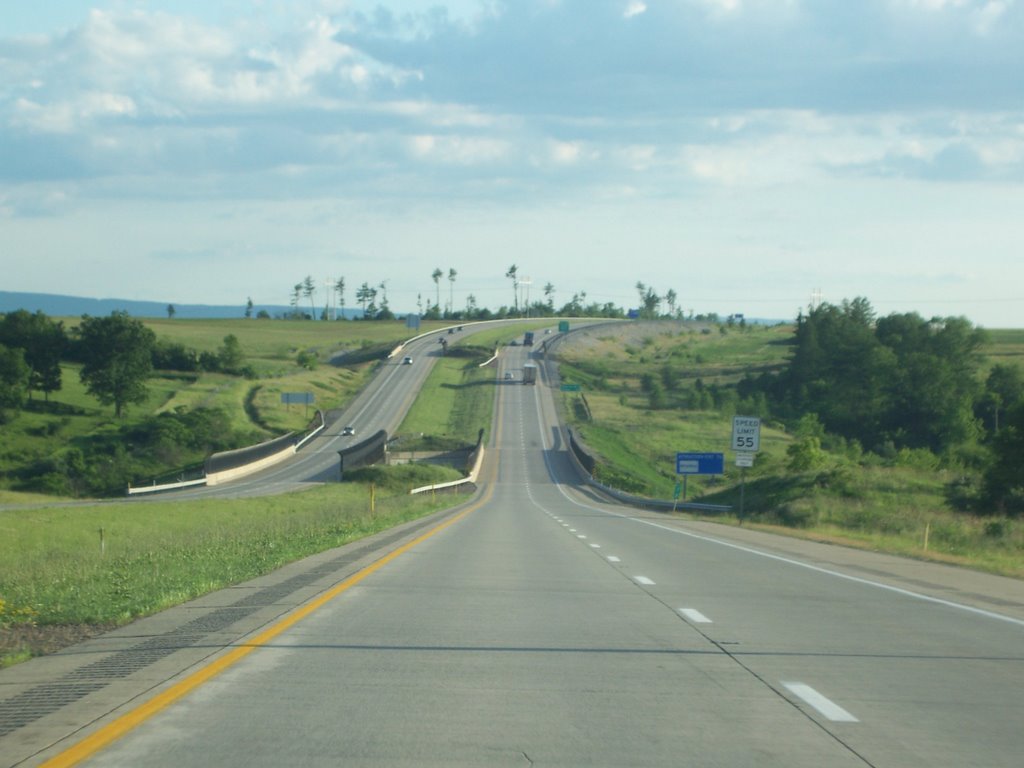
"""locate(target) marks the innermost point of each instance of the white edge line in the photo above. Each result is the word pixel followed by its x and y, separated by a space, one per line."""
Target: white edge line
pixel 778 558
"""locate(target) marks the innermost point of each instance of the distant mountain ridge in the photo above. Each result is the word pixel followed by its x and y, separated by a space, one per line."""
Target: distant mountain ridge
pixel 57 305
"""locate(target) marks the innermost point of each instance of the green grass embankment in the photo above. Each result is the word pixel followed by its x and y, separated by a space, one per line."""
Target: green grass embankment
pixel 455 403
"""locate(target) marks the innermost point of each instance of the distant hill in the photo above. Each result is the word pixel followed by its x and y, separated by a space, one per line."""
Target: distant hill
pixel 75 306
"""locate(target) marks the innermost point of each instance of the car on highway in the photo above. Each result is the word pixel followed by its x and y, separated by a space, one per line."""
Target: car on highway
pixel 348 431
pixel 406 360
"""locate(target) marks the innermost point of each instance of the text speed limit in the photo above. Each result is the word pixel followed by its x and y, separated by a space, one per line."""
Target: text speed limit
pixel 746 433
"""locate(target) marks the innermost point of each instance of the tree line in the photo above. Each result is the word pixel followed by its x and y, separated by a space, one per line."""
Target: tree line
pixel 117 354
pixel 374 304
pixel 903 383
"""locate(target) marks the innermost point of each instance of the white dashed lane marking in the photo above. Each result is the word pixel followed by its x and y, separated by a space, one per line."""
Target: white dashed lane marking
pixel 825 706
pixel 695 616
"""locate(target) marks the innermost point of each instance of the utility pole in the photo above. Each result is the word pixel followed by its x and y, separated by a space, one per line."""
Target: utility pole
pixel 815 298
pixel 527 282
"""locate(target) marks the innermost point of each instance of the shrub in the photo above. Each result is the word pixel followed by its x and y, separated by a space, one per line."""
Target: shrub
pixel 805 454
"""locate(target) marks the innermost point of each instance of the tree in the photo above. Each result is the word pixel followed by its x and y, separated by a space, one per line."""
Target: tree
pixel 649 301
pixel 171 311
pixel 1004 388
pixel 117 356
pixel 1004 485
pixel 549 294
pixel 513 274
pixel 296 293
pixel 248 308
pixel 230 354
pixel 385 310
pixel 671 298
pixel 309 290
pixel 436 275
pixel 451 289
pixel 367 297
pixel 339 288
pixel 14 378
pixel 43 342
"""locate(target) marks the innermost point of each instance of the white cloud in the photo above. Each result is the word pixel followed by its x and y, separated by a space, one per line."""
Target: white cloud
pixel 459 150
pixel 635 8
pixel 565 152
pixel 723 6
pixel 988 16
pixel 67 116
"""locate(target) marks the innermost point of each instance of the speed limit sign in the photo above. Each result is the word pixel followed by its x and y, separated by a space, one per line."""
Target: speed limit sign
pixel 746 433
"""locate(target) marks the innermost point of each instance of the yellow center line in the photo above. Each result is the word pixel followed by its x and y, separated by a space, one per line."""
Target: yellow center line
pixel 127 722
pixel 131 720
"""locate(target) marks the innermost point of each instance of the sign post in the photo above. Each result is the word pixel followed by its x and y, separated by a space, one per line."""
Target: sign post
pixel 746 441
pixel 697 464
pixel 305 398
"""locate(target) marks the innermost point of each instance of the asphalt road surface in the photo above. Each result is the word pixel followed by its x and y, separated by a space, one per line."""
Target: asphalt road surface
pixel 536 625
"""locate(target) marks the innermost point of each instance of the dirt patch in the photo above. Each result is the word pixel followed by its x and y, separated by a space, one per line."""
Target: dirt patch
pixel 50 638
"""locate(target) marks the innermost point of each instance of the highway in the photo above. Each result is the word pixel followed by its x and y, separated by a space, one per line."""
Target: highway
pixel 537 625
pixel 381 405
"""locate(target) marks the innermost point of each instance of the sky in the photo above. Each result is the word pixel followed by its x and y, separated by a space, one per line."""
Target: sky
pixel 753 156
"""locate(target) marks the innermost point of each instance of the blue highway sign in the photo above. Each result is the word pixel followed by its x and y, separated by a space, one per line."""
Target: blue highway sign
pixel 700 463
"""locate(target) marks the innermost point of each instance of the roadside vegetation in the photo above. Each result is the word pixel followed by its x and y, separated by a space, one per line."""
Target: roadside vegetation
pixel 73 429
pixel 919 455
pixel 905 439
pixel 72 571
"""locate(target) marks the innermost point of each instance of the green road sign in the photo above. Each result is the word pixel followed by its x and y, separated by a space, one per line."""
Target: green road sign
pixel 570 387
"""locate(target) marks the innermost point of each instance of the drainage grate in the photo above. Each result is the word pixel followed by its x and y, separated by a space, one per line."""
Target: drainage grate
pixel 216 620
pixel 29 706
pixel 123 663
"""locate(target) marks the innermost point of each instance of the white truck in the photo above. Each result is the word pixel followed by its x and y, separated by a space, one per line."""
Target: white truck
pixel 529 373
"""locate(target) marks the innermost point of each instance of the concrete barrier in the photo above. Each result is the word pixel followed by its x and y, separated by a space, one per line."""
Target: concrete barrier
pixel 476 461
pixel 234 473
pixel 164 486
